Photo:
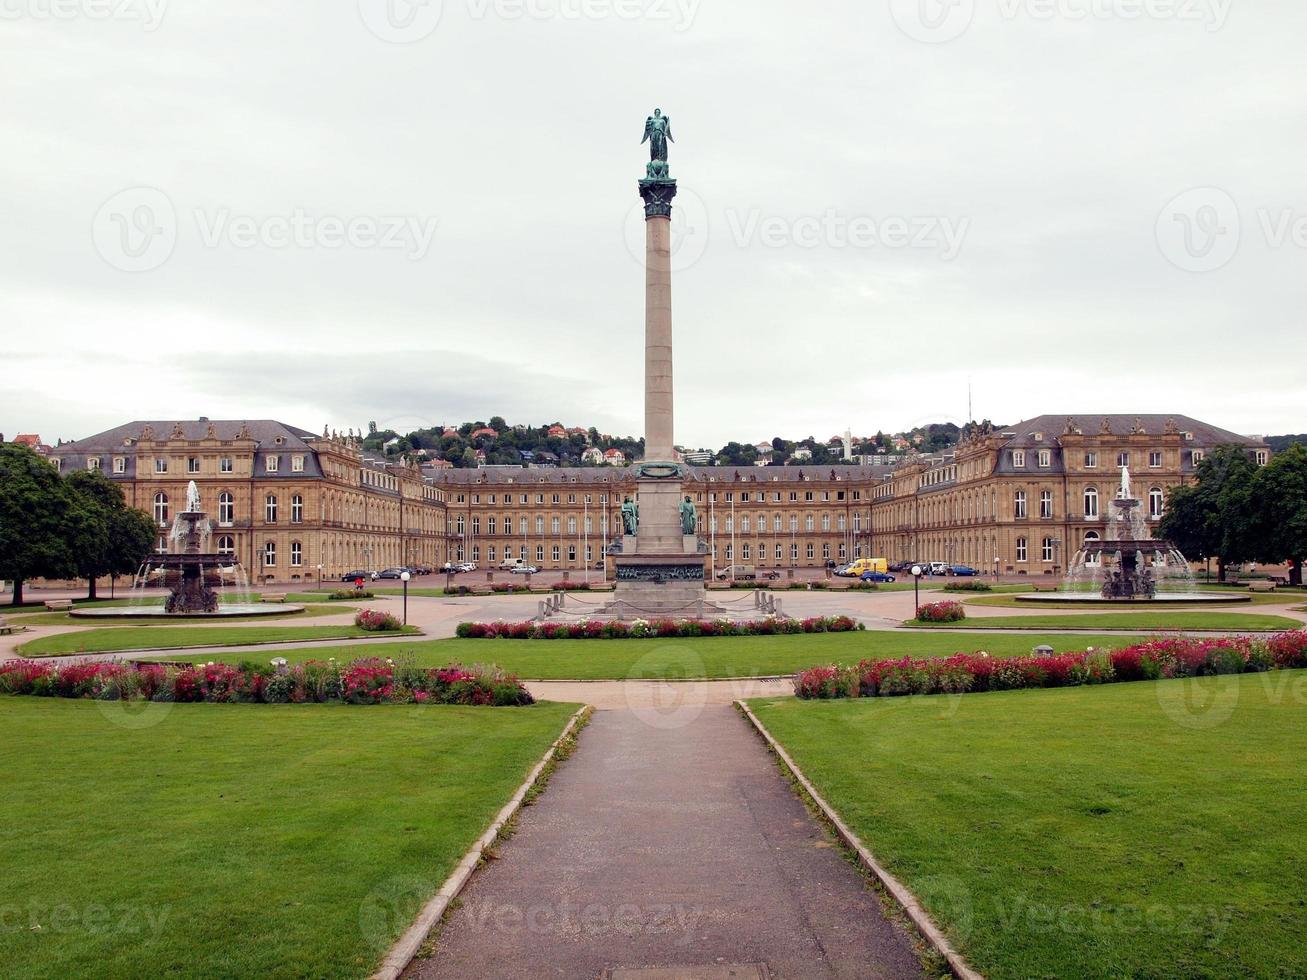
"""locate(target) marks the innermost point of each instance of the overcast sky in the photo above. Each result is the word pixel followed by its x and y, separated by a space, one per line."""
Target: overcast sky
pixel 424 214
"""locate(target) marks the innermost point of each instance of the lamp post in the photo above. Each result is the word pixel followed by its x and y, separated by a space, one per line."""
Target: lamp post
pixel 404 577
pixel 996 564
pixel 916 589
pixel 319 576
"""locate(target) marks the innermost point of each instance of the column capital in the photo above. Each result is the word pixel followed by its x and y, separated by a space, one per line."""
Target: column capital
pixel 657 193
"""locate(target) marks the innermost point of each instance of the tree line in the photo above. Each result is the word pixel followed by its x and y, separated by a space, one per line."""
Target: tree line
pixel 1240 512
pixel 74 526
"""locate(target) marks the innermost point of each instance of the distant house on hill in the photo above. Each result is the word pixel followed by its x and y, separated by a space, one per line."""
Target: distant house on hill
pixel 802 454
pixel 614 457
pixel 557 432
pixel 485 432
pixel 33 442
pixel 592 456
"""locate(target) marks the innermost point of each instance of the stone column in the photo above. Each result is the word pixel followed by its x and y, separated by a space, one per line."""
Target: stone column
pixel 658 404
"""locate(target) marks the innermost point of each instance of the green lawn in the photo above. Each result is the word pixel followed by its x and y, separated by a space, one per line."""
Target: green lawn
pixel 1161 619
pixel 240 840
pixel 1011 602
pixel 63 619
pixel 111 639
pixel 1083 832
pixel 730 656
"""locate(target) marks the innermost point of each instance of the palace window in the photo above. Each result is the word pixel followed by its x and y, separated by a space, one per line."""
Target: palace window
pixel 490 553
pixel 226 509
pixel 1262 457
pixel 161 509
pixel 458 524
pixel 744 524
pixel 476 525
pixel 571 523
pixel 540 527
pixel 557 553
pixel 270 509
pixel 1197 456
pixel 1091 502
pixel 296 554
pixel 780 553
pixel 1155 460
pixel 1021 549
pixel 825 522
pixel 270 554
pixel 160 465
pixel 1122 459
pixel 812 551
pixel 296 466
pixel 1046 504
pixel 807 522
pixel 1019 504
pixel 1046 550
pixel 93 462
pixel 555 525
pixel 1091 461
pixel 540 553
pixel 1092 558
pixel 226 545
pixel 490 525
pixel 297 509
pixel 270 463
pixel 1018 457
pixel 1156 502
pixel 192 464
pixel 825 549
pixel 120 464
pixel 1045 458
pixel 746 552
pixel 571 553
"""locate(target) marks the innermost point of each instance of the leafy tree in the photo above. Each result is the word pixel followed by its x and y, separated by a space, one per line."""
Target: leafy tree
pixel 34 517
pixel 1214 517
pixel 106 537
pixel 1279 493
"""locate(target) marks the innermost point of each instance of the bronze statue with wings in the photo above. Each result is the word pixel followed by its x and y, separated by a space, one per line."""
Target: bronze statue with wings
pixel 658 133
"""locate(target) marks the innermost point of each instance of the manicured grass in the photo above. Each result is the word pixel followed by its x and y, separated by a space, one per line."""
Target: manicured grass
pixel 63 619
pixel 240 840
pixel 1141 830
pixel 729 656
pixel 112 639
pixel 1162 619
pixel 1255 599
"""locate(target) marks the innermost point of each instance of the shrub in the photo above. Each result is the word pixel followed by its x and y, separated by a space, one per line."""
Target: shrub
pixel 373 621
pixel 941 612
pixel 826 682
pixel 646 629
pixel 342 594
pixel 968 587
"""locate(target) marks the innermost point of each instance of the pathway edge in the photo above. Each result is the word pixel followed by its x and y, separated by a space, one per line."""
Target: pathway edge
pixel 905 898
pixel 401 954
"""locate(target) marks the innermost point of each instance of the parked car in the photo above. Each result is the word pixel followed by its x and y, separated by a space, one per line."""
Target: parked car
pixel 468 566
pixel 511 564
pixel 962 570
pixel 877 577
pixel 355 576
pixel 391 573
pixel 422 570
pixel 770 576
pixel 901 566
pixel 738 572
pixel 937 568
pixel 451 568
pixel 524 569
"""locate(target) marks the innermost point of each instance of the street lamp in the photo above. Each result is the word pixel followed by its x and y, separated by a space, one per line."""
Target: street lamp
pixel 404 577
pixel 996 564
pixel 319 577
pixel 916 589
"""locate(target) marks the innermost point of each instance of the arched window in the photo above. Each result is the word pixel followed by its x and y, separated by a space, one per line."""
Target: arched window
pixel 226 508
pixel 161 509
pixel 226 545
pixel 1092 557
pixel 270 508
pixel 1046 504
pixel 297 509
pixel 1091 501
pixel 1156 502
pixel 1019 504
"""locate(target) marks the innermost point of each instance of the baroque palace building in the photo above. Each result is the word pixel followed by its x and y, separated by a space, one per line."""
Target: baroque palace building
pixel 283 501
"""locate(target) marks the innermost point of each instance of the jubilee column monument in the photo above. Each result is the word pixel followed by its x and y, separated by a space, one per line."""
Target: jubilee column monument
pixel 660 568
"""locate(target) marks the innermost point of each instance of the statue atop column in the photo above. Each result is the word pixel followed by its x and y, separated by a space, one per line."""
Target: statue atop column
pixel 630 516
pixel 689 517
pixel 658 133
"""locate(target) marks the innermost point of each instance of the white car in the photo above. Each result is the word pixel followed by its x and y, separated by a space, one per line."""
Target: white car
pixel 524 570
pixel 468 566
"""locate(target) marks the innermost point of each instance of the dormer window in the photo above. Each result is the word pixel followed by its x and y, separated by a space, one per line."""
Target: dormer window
pixel 93 462
pixel 1045 458
pixel 1018 457
pixel 120 464
pixel 297 464
pixel 271 463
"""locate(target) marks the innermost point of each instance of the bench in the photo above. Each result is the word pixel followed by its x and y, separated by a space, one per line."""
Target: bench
pixel 5 628
pixel 1046 587
pixel 58 605
pixel 1266 585
pixel 274 597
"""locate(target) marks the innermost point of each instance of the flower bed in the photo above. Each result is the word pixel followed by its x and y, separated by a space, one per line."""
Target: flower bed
pixel 368 681
pixel 373 621
pixel 941 612
pixel 342 595
pixel 968 587
pixel 968 672
pixel 639 629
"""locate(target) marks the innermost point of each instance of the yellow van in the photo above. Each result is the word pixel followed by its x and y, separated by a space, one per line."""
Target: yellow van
pixel 856 569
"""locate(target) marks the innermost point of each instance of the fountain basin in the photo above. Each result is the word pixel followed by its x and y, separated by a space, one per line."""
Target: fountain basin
pixel 1160 599
pixel 231 610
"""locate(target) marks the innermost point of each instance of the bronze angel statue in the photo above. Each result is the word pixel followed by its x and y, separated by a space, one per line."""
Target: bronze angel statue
pixel 658 133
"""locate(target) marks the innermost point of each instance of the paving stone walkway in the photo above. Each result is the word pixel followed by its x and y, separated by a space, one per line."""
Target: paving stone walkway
pixel 669 847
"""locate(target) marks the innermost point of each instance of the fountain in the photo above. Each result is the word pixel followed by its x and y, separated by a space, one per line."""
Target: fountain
pixel 194 575
pixel 1129 565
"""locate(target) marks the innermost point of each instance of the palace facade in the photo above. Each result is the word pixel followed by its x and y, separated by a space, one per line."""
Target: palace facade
pixel 1019 500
